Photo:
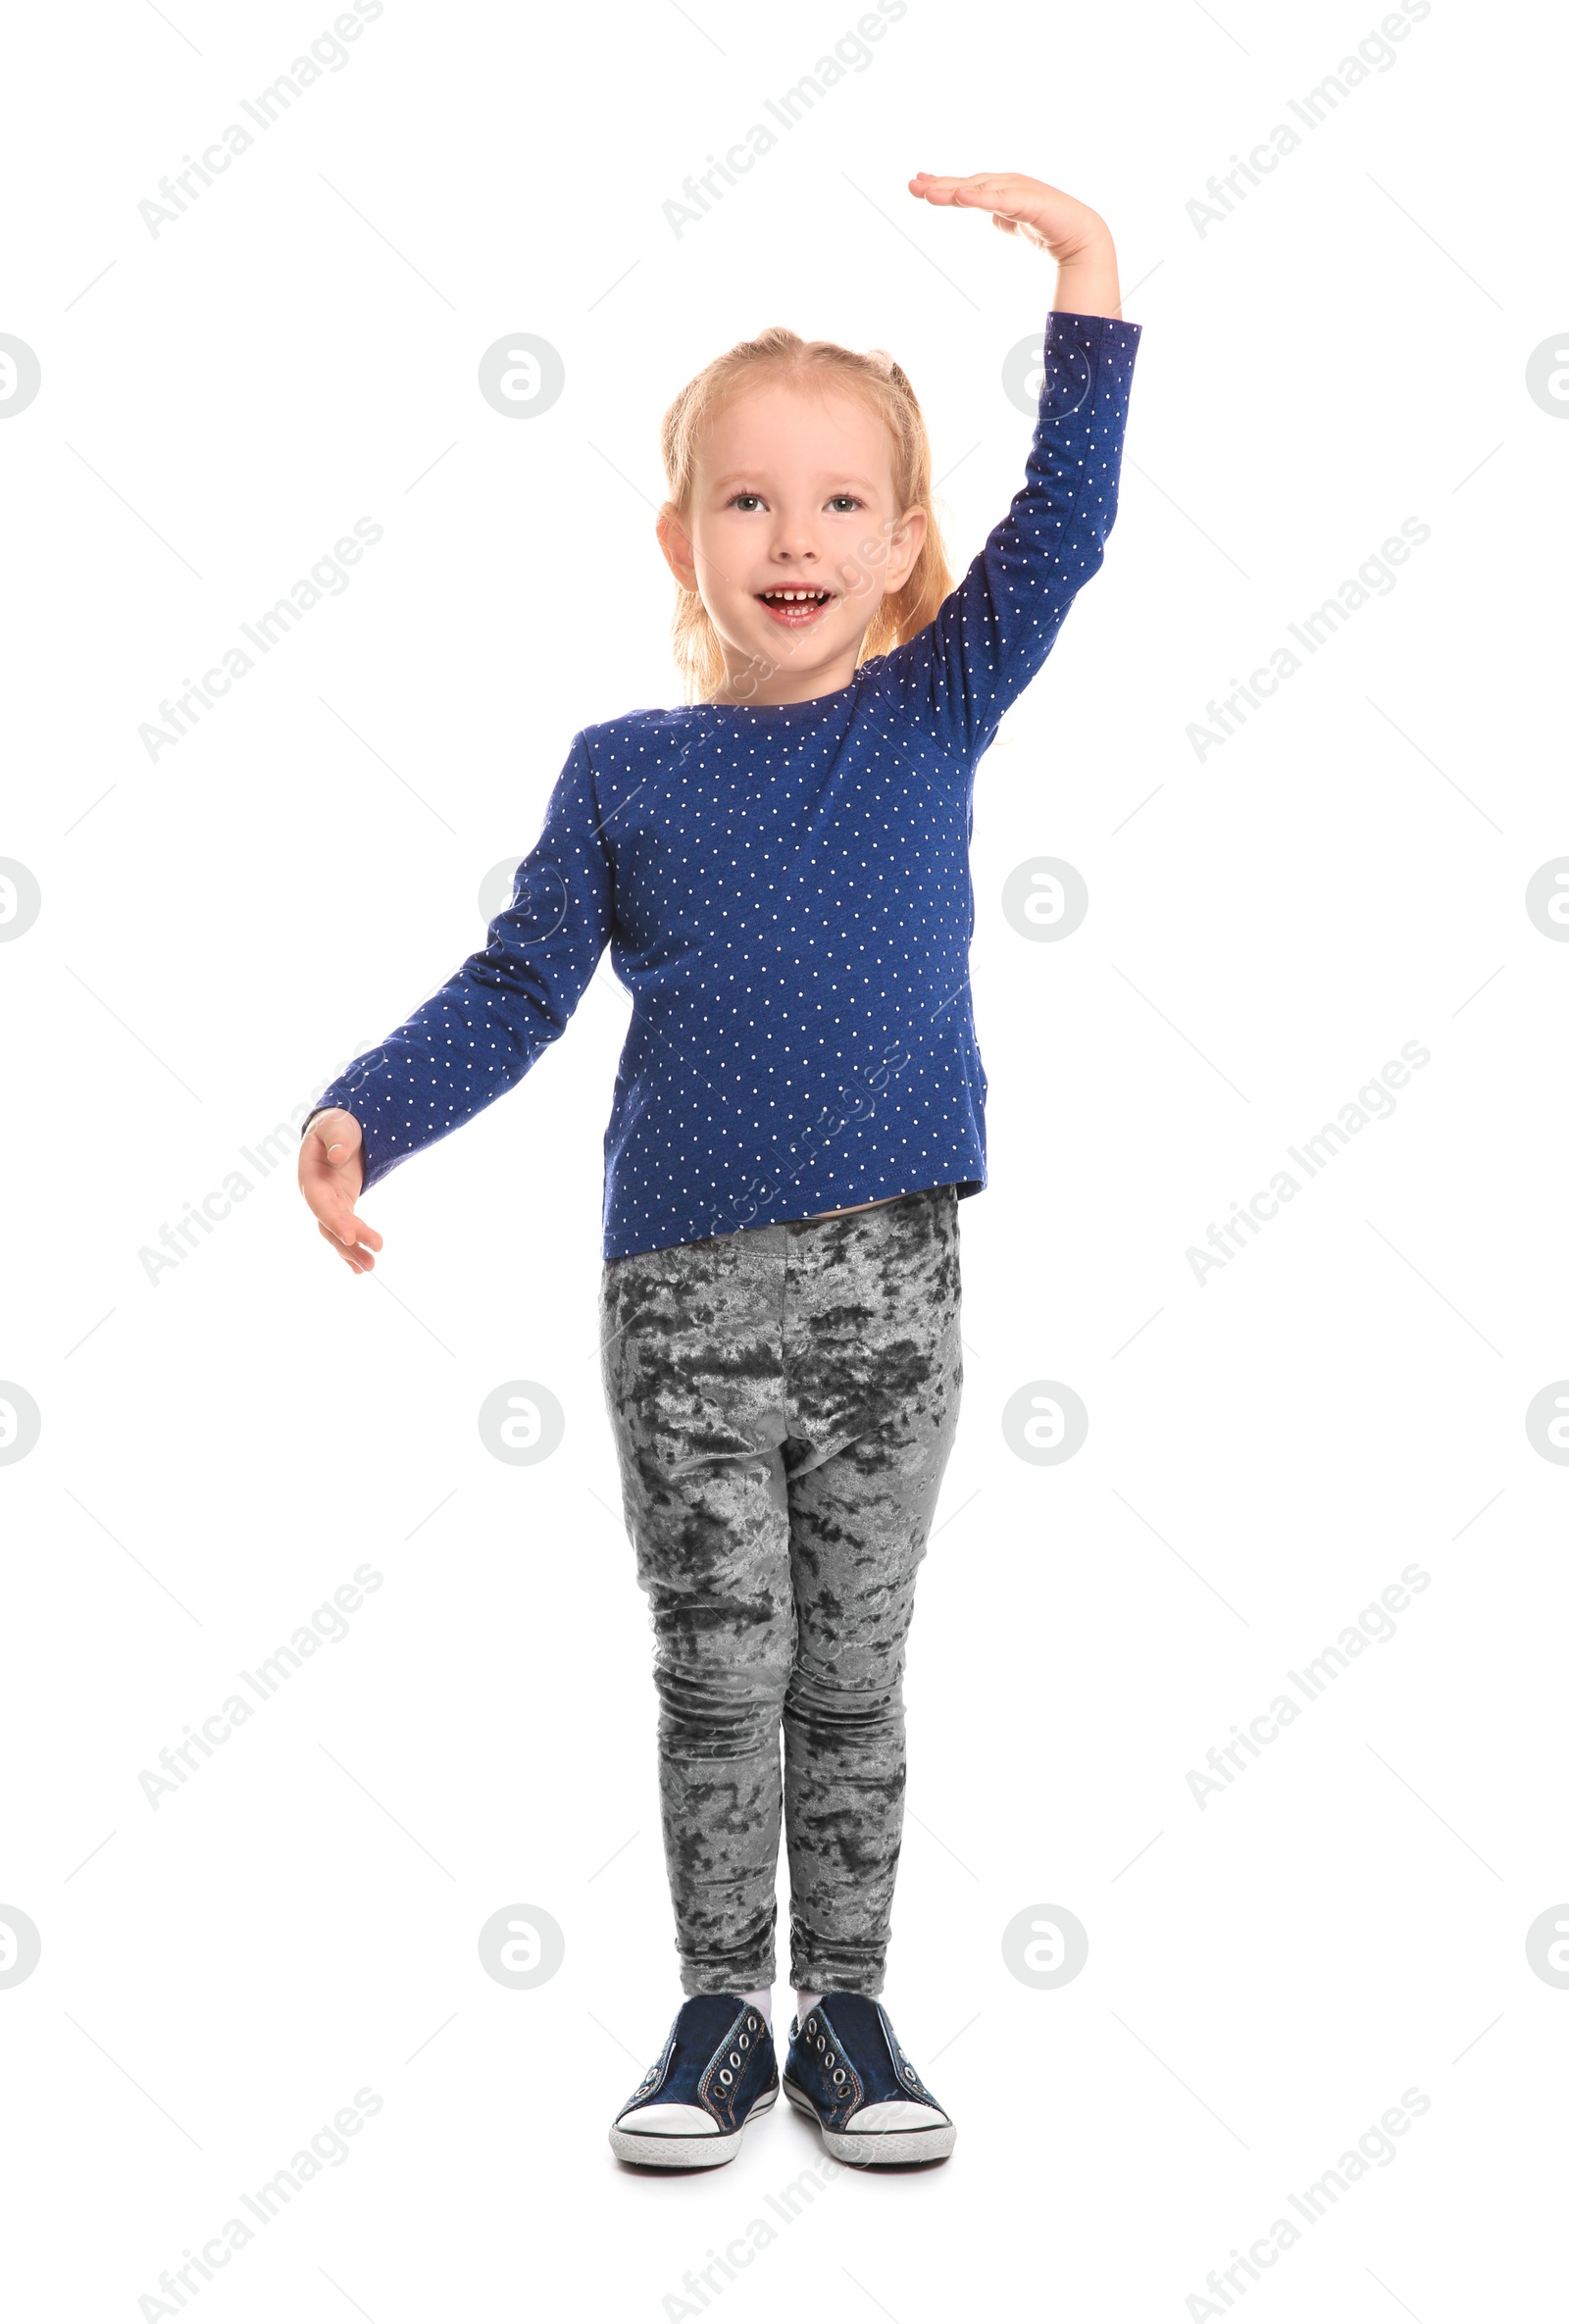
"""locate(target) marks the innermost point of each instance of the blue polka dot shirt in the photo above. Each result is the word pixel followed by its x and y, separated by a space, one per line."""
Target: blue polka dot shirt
pixel 784 889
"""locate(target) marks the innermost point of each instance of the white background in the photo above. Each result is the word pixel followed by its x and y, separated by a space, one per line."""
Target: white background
pixel 224 1441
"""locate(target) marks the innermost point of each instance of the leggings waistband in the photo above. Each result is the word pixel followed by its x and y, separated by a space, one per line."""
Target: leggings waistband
pixel 889 1202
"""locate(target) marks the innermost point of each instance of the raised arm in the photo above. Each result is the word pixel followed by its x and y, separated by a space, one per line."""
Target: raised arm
pixel 480 1032
pixel 991 634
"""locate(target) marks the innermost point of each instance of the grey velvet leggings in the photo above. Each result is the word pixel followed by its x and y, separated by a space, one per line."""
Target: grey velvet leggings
pixel 784 1400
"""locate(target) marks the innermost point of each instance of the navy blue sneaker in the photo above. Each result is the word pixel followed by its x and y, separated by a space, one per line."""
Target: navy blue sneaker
pixel 846 2070
pixel 716 2072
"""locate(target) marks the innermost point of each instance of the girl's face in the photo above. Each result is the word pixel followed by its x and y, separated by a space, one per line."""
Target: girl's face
pixel 793 492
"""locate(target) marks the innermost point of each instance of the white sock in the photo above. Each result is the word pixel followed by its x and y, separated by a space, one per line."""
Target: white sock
pixel 763 2004
pixel 805 2004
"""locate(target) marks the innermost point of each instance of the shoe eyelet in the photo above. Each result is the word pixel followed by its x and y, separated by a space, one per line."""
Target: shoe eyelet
pixel 734 2057
pixel 751 2025
pixel 818 2040
pixel 726 2075
pixel 909 2073
pixel 829 2060
pixel 839 2072
pixel 745 2040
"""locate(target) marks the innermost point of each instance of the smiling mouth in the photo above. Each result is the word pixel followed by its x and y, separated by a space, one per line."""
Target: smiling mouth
pixel 795 608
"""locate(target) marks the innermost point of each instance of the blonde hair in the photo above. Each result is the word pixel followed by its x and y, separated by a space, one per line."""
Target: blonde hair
pixel 782 354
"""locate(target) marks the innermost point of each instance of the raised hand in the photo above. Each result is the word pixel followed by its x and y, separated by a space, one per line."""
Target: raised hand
pixel 1068 231
pixel 331 1174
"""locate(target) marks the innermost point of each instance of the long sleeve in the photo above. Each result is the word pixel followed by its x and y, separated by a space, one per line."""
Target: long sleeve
pixel 991 633
pixel 480 1032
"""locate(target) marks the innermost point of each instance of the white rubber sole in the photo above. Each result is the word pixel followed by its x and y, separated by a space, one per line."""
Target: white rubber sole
pixel 872 2147
pixel 669 2153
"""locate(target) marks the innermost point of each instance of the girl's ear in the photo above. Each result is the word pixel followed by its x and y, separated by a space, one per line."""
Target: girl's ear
pixel 904 548
pixel 675 542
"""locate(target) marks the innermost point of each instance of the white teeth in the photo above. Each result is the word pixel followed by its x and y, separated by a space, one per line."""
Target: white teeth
pixel 793 596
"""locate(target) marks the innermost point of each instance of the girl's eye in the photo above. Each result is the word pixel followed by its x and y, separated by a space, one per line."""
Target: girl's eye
pixel 853 498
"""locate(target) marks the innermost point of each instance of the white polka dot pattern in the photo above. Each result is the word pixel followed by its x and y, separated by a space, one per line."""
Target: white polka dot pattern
pixel 785 892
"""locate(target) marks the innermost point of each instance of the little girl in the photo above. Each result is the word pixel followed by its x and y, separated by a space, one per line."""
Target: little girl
pixel 781 869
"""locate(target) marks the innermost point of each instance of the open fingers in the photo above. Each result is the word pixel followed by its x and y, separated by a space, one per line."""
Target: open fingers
pixel 330 1191
pixel 355 1256
pixel 346 1227
pixel 333 1201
